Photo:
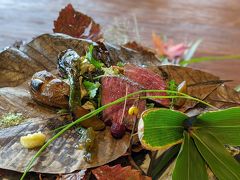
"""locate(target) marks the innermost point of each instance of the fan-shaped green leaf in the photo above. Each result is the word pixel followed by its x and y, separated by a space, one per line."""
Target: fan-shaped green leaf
pixel 161 128
pixel 190 164
pixel 223 165
pixel 224 124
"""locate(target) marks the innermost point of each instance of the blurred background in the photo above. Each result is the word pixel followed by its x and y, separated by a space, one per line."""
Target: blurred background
pixel 216 22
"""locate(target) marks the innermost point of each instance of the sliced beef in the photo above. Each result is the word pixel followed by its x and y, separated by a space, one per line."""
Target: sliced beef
pixel 148 79
pixel 114 88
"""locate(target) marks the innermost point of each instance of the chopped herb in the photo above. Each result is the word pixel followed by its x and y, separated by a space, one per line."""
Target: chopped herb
pixel 110 71
pixel 150 105
pixel 121 64
pixel 172 86
pixel 91 88
pixel 11 119
pixel 63 111
pixel 91 59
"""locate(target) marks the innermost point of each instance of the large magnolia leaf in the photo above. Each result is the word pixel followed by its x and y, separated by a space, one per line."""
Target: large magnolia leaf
pixel 223 165
pixel 224 124
pixel 62 156
pixel 189 165
pixel 161 128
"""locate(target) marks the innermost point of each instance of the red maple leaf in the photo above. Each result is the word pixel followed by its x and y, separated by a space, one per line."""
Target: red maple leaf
pixel 76 24
pixel 118 172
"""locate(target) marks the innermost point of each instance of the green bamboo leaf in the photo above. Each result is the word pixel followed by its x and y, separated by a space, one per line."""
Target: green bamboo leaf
pixel 210 58
pixel 161 128
pixel 223 165
pixel 190 52
pixel 190 164
pixel 161 163
pixel 224 124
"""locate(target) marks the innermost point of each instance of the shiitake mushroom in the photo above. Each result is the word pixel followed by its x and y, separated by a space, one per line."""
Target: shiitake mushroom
pixel 47 89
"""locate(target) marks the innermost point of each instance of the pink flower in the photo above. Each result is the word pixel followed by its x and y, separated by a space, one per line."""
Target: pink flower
pixel 169 49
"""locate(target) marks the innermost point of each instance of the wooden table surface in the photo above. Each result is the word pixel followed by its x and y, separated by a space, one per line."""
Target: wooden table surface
pixel 217 22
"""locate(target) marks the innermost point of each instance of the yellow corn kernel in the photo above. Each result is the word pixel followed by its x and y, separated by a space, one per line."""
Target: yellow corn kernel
pixel 33 140
pixel 133 111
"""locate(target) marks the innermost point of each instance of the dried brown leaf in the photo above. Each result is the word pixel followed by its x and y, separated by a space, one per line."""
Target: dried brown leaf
pixel 118 172
pixel 80 175
pixel 224 97
pixel 199 84
pixel 76 24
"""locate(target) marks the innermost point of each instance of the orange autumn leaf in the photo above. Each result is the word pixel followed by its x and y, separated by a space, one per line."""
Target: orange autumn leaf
pixel 76 24
pixel 158 44
pixel 118 172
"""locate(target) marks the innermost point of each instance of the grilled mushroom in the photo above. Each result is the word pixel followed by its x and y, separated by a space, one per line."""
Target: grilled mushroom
pixel 49 90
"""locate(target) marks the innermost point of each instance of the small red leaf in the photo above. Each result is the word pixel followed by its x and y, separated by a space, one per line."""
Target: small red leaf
pixel 76 24
pixel 118 172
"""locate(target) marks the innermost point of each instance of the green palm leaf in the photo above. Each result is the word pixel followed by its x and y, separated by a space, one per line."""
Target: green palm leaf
pixel 224 124
pixel 223 165
pixel 161 128
pixel 190 164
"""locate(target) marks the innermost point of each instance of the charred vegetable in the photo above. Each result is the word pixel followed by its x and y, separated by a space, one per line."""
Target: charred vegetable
pixel 69 65
pixel 87 143
pixel 72 66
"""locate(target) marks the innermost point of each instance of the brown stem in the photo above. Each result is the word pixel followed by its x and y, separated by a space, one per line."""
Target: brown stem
pixel 131 160
pixel 124 106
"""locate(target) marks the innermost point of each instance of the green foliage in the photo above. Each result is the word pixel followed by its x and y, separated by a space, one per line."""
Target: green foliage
pixel 172 86
pixel 164 130
pixel 224 124
pixel 190 164
pixel 224 166
pixel 204 139
pixel 161 163
pixel 91 88
pixel 91 59
pixel 121 64
pixel 210 58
